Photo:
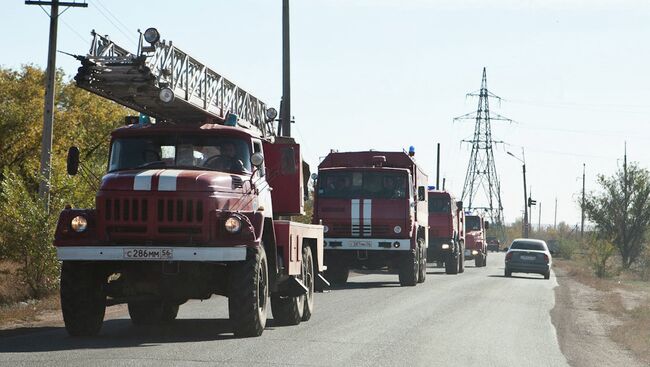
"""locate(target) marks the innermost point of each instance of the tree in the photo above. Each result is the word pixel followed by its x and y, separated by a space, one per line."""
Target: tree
pixel 621 210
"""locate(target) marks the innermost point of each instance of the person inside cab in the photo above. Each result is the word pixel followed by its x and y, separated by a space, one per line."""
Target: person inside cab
pixel 227 159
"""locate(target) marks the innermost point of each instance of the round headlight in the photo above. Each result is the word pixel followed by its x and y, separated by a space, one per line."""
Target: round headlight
pixel 151 35
pixel 445 246
pixel 271 114
pixel 397 229
pixel 79 223
pixel 474 252
pixel 166 95
pixel 233 225
pixel 325 228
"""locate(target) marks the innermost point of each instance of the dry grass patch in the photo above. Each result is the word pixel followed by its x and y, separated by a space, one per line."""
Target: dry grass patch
pixel 634 333
pixel 28 311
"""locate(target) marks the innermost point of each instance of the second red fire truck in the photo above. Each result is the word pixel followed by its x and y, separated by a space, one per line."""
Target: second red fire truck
pixel 373 206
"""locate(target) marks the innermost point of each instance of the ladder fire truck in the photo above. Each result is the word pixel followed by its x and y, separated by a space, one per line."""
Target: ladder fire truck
pixel 187 208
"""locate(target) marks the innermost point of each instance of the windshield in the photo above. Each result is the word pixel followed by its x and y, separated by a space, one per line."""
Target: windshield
pixel 439 205
pixel 363 184
pixel 472 223
pixel 527 245
pixel 189 152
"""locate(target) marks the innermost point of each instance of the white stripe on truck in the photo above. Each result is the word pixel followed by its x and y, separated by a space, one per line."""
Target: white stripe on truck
pixel 142 181
pixel 367 217
pixel 167 180
pixel 354 215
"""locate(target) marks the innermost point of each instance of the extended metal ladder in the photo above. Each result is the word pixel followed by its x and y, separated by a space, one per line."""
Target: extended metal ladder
pixel 136 81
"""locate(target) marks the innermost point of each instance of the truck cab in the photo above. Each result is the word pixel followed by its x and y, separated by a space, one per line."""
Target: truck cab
pixel 446 231
pixel 475 243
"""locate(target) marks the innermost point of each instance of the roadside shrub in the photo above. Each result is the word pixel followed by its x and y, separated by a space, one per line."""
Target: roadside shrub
pixel 644 265
pixel 27 232
pixel 600 252
pixel 567 247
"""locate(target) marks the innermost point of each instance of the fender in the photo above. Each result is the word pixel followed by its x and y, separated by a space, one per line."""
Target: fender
pixel 270 246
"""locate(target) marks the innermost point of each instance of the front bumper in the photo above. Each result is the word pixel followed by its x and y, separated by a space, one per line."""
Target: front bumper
pixel 470 253
pixel 379 244
pixel 150 253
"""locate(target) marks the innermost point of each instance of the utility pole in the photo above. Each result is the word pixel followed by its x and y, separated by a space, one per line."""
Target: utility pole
pixel 555 216
pixel 48 114
pixel 582 209
pixel 539 218
pixel 285 110
pixel 524 226
pixel 530 210
pixel 438 168
pixel 625 195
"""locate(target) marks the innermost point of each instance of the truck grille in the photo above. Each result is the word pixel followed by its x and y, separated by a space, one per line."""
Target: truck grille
pixel 132 210
pixel 179 210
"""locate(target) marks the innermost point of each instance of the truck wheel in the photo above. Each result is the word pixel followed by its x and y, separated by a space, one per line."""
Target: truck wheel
pixel 508 273
pixel 408 269
pixel 291 310
pixel 83 300
pixel 422 269
pixel 461 260
pixel 337 273
pixel 451 264
pixel 248 294
pixel 478 261
pixel 308 264
pixel 485 259
pixel 145 312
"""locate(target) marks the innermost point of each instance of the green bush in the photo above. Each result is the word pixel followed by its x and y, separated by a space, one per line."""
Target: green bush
pixel 567 248
pixel 27 233
pixel 600 251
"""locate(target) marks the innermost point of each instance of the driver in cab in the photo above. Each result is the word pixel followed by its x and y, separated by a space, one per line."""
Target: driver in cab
pixel 227 159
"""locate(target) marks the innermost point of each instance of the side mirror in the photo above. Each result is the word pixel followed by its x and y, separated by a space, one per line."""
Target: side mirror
pixel 73 161
pixel 314 176
pixel 459 205
pixel 257 159
pixel 422 193
pixel 487 225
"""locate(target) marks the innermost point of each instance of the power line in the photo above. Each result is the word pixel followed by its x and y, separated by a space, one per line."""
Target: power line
pixel 117 27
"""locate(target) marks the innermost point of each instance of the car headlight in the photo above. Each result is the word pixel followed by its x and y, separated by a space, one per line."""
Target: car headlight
pixel 474 252
pixel 79 224
pixel 397 229
pixel 325 228
pixel 233 225
pixel 445 246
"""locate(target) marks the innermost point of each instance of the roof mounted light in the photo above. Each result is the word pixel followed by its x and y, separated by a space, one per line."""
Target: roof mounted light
pixel 152 36
pixel 166 95
pixel 271 114
pixel 231 119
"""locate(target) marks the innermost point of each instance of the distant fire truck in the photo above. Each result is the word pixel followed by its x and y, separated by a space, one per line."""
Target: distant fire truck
pixel 475 243
pixel 446 231
pixel 373 206
pixel 190 204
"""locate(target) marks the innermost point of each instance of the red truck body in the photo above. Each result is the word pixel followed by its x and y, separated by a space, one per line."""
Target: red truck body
pixel 475 243
pixel 373 207
pixel 446 231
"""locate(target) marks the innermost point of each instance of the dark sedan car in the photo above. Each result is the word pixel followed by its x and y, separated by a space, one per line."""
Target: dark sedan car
pixel 528 256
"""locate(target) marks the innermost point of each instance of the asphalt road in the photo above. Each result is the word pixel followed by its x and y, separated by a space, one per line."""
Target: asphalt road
pixel 478 318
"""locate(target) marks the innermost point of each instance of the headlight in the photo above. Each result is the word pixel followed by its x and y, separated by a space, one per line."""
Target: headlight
pixel 474 252
pixel 166 95
pixel 397 229
pixel 325 228
pixel 79 224
pixel 445 246
pixel 233 225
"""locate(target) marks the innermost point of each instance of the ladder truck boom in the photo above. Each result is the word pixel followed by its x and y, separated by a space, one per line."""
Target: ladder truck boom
pixel 166 83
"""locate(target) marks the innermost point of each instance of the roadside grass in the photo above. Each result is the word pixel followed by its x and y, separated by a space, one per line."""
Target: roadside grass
pixel 16 307
pixel 627 298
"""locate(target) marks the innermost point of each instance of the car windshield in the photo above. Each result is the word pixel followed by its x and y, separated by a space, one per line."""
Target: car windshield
pixel 181 151
pixel 363 184
pixel 527 245
pixel 439 205
pixel 472 223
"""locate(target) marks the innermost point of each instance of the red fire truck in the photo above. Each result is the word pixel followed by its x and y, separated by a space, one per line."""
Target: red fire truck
pixel 446 231
pixel 187 208
pixel 373 207
pixel 475 244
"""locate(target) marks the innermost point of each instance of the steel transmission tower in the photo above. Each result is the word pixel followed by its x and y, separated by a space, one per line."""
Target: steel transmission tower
pixel 482 190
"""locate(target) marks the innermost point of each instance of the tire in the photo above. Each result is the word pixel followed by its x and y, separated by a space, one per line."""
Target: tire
pixel 248 294
pixel 461 258
pixel 478 261
pixel 422 269
pixel 408 268
pixel 337 273
pixel 508 273
pixel 83 299
pixel 547 275
pixel 451 264
pixel 308 261
pixel 484 259
pixel 290 310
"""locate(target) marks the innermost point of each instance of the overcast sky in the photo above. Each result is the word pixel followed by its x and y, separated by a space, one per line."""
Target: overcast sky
pixel 381 74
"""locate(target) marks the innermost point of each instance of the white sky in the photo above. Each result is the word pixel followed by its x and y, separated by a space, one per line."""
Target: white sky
pixel 387 74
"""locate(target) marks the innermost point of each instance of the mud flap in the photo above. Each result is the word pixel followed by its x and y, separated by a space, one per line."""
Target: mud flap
pixel 292 287
pixel 320 283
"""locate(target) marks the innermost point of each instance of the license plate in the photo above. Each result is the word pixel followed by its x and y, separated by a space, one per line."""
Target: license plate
pixel 528 258
pixel 149 253
pixel 361 244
